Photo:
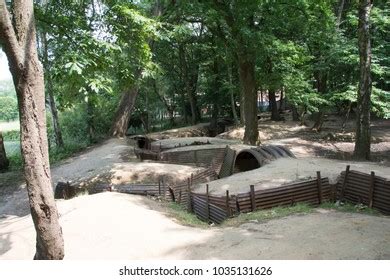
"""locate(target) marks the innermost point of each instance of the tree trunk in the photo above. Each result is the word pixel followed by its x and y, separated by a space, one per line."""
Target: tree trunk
pixel 282 101
pixel 4 162
pixel 188 87
pixel 232 100
pixel 322 80
pixel 344 125
pixel 248 86
pixel 273 106
pixel 90 121
pixel 170 108
pixel 123 113
pixel 18 38
pixel 363 131
pixel 295 114
pixel 340 10
pixel 49 88
pixel 216 96
pixel 54 115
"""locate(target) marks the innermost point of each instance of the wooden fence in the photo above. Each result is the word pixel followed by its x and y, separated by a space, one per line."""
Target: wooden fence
pixel 215 209
pixel 362 188
pixel 355 187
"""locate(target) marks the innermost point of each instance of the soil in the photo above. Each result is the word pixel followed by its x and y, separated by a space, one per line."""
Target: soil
pixel 118 226
pixel 287 170
pixel 331 142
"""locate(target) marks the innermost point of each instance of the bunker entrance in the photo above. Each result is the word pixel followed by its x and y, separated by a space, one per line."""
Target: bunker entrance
pixel 245 161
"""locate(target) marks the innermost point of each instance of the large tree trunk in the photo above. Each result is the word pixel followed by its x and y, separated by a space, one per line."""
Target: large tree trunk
pixel 248 86
pixel 363 131
pixel 4 163
pixel 49 88
pixel 18 38
pixel 275 116
pixel 123 113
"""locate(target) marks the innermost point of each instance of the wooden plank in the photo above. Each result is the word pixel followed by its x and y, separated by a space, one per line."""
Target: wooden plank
pixel 319 186
pixel 252 195
pixel 227 203
pixel 189 198
pixel 345 182
pixel 208 203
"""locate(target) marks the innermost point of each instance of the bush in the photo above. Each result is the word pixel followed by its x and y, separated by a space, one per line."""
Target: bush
pixel 13 135
pixel 8 108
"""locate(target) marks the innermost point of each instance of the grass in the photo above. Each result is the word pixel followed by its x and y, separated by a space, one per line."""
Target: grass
pixel 189 219
pixel 182 216
pixel 268 214
pixel 12 149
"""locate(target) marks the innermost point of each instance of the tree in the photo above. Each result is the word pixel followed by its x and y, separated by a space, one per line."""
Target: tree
pixel 3 156
pixel 240 20
pixel 363 131
pixel 18 39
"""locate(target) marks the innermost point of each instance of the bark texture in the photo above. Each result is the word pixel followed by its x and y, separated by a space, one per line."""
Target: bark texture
pixel 248 86
pixel 18 38
pixel 4 163
pixel 123 113
pixel 363 131
pixel 275 116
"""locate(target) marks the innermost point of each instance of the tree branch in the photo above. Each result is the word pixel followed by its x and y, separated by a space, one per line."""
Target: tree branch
pixel 8 38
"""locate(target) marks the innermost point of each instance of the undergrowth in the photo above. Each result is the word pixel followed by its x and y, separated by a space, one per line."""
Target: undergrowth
pixel 183 216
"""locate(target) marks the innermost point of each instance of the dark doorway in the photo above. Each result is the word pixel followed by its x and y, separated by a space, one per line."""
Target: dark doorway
pixel 245 161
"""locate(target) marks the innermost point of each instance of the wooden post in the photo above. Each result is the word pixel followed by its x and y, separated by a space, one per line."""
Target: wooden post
pixel 237 205
pixel 253 202
pixel 319 186
pixel 196 158
pixel 207 203
pixel 189 202
pixel 163 184
pixel 345 182
pixel 228 213
pixel 159 186
pixel 371 190
pixel 192 178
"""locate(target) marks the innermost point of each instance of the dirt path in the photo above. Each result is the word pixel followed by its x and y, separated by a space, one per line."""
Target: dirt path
pixel 92 162
pixel 112 162
pixel 120 226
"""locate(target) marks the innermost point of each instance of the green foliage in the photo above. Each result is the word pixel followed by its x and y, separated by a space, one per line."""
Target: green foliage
pixel 12 135
pixel 183 216
pixel 8 108
pixel 273 213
